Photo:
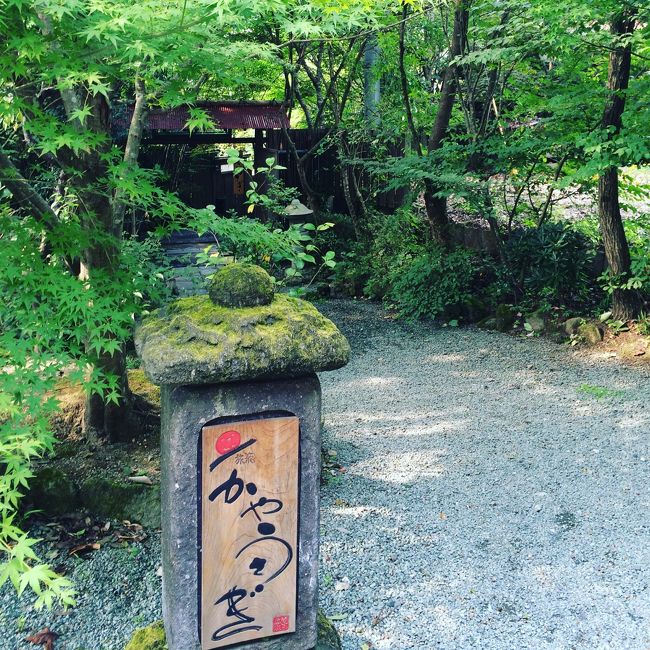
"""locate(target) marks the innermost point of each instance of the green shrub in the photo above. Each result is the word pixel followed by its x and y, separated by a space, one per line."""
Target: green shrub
pixel 638 234
pixel 552 264
pixel 431 281
pixel 637 231
pixel 395 238
pixel 145 262
pixel 340 237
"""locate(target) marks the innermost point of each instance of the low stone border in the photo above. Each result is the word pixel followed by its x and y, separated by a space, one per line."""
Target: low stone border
pixel 56 493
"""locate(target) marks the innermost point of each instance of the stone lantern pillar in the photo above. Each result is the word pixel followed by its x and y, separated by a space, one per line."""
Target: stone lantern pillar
pixel 240 464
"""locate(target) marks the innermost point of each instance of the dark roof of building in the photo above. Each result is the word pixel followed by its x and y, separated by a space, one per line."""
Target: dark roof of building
pixel 226 115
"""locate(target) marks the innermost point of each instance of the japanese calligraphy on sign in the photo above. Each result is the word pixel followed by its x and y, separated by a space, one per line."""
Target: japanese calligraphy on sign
pixel 249 530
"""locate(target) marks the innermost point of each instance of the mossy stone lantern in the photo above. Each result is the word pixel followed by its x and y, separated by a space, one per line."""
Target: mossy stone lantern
pixel 297 211
pixel 240 466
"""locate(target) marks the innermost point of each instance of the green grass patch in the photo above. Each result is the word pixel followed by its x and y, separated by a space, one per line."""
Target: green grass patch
pixel 599 392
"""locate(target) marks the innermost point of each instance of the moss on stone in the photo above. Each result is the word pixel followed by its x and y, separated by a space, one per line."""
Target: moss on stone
pixel 193 341
pixel 241 285
pixel 591 333
pixel 141 386
pixel 489 323
pixel 505 317
pixel 572 324
pixel 120 500
pixel 151 637
pixel 328 637
pixel 537 321
pixel 53 491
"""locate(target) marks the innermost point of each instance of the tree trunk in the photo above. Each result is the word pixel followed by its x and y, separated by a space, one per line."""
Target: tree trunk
pixel 106 420
pixel 25 196
pixel 313 200
pixel 131 151
pixel 436 206
pixel 626 304
pixel 101 258
pixel 371 83
pixel 349 199
pixel 103 419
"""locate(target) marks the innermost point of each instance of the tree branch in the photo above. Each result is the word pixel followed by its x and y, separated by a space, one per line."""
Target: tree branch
pixel 25 195
pixel 131 150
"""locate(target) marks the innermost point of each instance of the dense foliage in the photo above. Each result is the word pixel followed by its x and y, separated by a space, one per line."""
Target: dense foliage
pixel 486 152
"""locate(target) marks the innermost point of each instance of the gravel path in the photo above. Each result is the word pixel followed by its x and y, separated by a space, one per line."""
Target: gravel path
pixel 490 499
pixel 118 592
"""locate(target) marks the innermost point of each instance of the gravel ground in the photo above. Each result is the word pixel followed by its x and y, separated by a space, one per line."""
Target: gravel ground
pixel 489 502
pixel 119 591
pixel 490 499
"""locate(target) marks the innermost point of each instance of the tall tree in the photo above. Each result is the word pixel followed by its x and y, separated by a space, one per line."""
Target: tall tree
pixel 73 72
pixel 443 96
pixel 436 204
pixel 626 303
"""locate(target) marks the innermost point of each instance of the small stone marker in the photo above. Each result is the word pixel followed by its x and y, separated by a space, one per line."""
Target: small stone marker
pixel 240 463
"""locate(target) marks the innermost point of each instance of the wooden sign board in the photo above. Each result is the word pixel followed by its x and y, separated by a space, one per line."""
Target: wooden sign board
pixel 238 188
pixel 249 530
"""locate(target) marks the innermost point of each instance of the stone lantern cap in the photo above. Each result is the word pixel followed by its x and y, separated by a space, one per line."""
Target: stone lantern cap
pixel 297 209
pixel 241 331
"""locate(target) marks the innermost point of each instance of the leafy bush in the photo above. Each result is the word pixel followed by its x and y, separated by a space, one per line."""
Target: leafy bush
pixel 146 263
pixel 340 237
pixel 407 272
pixel 431 281
pixel 551 265
pixel 396 238
pixel 638 235
pixel 637 231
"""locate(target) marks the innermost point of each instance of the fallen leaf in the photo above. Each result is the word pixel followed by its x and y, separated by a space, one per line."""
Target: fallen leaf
pixel 443 516
pixel 45 638
pixel 144 480
pixel 342 585
pixel 84 548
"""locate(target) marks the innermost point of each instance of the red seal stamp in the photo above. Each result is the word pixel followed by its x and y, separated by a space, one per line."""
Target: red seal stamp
pixel 228 441
pixel 280 623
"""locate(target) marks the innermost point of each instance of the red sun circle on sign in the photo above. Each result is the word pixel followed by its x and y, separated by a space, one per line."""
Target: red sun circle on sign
pixel 228 441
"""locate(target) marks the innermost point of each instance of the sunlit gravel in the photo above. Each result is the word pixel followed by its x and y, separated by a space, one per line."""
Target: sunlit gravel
pixel 489 499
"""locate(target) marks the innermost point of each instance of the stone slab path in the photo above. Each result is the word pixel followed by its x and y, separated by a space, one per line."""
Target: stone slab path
pixel 497 492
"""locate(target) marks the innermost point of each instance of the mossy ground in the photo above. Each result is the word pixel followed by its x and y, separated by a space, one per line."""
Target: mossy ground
pixel 151 637
pixel 77 464
pixel 75 456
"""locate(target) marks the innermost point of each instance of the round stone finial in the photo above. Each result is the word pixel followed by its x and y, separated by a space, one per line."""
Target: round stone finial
pixel 241 285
